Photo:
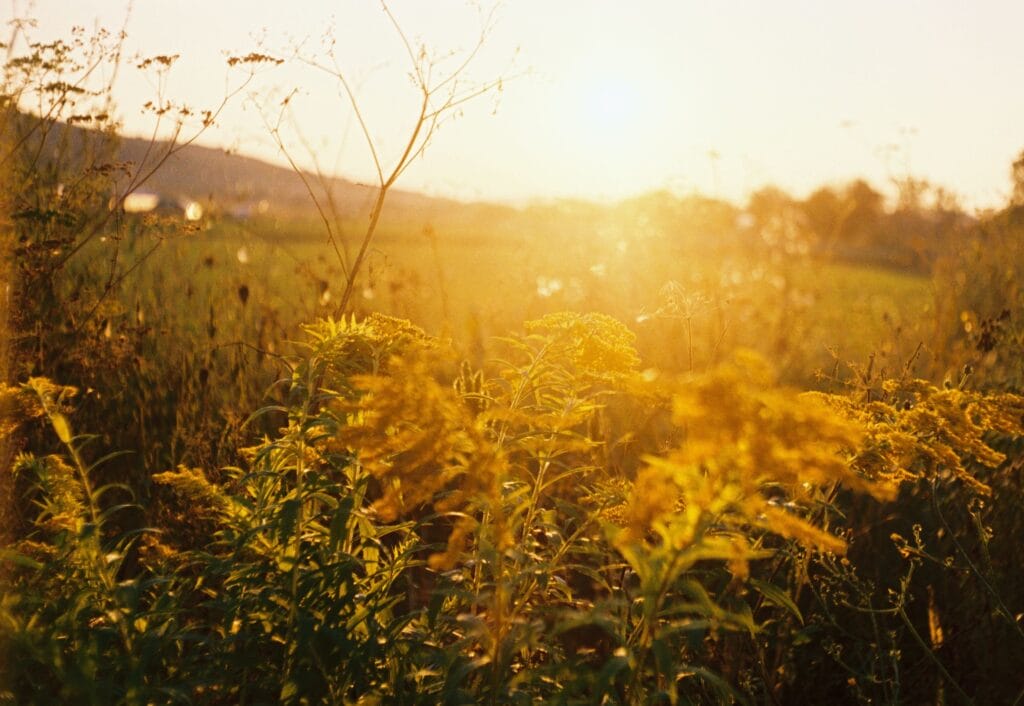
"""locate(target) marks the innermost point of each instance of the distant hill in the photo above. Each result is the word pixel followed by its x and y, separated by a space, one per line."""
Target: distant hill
pixel 228 181
pixel 225 179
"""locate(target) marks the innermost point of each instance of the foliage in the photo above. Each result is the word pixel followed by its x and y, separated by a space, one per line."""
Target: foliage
pixel 540 517
pixel 417 531
pixel 979 304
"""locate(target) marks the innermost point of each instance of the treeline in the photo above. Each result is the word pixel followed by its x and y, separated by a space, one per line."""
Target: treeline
pixel 852 222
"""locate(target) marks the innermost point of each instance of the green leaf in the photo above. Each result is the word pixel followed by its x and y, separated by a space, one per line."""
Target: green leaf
pixel 289 690
pixel 725 691
pixel 662 656
pixel 13 557
pixel 339 526
pixel 619 662
pixel 776 595
pixel 61 426
pixel 288 518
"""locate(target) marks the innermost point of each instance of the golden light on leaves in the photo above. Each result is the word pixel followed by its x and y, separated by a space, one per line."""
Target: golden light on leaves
pixel 917 430
pixel 598 345
pixel 753 456
pixel 418 439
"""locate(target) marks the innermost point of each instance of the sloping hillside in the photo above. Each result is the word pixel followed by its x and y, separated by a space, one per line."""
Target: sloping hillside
pixel 224 178
pixel 213 176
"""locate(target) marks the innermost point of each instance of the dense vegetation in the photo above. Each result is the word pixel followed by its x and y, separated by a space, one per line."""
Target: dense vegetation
pixel 780 465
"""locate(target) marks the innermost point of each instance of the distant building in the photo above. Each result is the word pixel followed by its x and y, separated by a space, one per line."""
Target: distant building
pixel 150 203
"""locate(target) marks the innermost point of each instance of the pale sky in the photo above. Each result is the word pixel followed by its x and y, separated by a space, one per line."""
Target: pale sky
pixel 610 99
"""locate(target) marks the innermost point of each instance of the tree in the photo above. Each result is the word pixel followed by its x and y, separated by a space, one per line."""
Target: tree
pixel 826 213
pixel 863 224
pixel 767 203
pixel 1017 176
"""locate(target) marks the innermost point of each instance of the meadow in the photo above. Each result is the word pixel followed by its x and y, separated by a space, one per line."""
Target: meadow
pixel 671 450
pixel 473 287
pixel 229 297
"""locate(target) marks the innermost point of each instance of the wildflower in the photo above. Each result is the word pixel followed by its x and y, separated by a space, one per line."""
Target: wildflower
pixel 596 344
pixel 64 504
pixel 747 442
pixel 15 407
pixel 204 498
pixel 417 438
pixel 654 496
pixel 351 347
pixel 918 430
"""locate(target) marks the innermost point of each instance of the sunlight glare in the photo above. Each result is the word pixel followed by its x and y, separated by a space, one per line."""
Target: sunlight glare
pixel 610 105
pixel 193 211
pixel 609 109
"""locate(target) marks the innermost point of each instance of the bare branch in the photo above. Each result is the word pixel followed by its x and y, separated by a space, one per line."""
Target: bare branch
pixel 413 59
pixel 275 133
pixel 144 173
pixel 354 102
pixel 439 97
pixel 485 29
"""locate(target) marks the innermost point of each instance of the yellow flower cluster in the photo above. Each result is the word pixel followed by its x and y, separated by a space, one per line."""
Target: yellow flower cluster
pixel 205 498
pixel 918 430
pixel 418 439
pixel 64 503
pixel 753 455
pixel 597 345
pixel 64 507
pixel 352 347
pixel 35 398
pixel 653 498
pixel 13 409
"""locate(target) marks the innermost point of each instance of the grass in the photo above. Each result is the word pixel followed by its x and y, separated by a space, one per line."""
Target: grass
pixel 616 500
pixel 471 287
pixel 556 526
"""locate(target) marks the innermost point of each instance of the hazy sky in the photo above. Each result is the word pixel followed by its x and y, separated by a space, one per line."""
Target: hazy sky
pixel 609 98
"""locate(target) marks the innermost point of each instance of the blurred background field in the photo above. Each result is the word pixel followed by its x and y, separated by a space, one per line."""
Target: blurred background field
pixel 178 320
pixel 240 290
pixel 256 281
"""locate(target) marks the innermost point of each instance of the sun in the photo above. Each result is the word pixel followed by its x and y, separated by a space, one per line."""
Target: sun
pixel 610 105
pixel 608 109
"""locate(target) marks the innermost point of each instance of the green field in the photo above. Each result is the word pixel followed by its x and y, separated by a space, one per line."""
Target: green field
pixel 802 313
pixel 512 504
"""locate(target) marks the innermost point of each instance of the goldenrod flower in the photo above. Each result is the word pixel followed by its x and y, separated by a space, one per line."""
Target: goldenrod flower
pixel 597 345
pixel 753 454
pixel 418 439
